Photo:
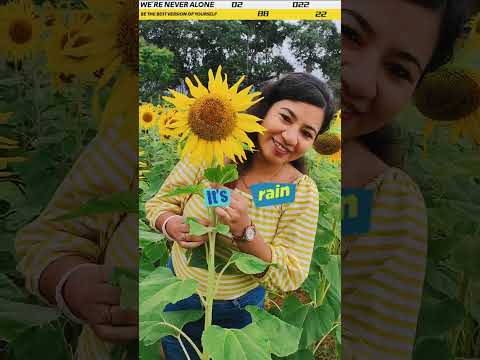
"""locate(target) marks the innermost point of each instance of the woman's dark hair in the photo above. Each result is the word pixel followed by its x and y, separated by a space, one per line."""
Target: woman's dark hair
pixel 297 87
pixel 383 142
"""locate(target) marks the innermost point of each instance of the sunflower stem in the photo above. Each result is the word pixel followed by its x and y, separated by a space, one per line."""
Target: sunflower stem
pixel 211 274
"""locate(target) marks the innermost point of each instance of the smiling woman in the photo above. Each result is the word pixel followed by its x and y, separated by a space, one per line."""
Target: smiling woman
pixel 293 111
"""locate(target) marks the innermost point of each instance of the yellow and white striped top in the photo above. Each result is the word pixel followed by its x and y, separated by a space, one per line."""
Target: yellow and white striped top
pixel 288 229
pixel 107 165
pixel 383 273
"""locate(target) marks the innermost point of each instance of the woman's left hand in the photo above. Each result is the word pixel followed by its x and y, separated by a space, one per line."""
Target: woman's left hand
pixel 235 215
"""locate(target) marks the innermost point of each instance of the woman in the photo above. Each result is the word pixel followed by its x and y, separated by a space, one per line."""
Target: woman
pixel 387 47
pixel 295 109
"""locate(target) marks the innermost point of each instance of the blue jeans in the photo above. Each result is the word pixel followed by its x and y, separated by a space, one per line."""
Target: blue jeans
pixel 226 313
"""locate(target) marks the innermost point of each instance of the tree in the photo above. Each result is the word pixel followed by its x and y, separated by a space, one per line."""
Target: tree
pixel 156 69
pixel 250 48
pixel 316 45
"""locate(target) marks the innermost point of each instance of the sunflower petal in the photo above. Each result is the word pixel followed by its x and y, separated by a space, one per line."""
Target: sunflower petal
pixel 195 91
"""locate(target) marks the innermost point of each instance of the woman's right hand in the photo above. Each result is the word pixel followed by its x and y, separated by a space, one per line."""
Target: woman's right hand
pixel 90 297
pixel 178 230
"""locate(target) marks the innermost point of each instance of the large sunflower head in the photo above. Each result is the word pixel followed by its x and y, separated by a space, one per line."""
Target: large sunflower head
pixel 450 97
pixel 147 116
pixel 213 121
pixel 20 29
pixel 330 143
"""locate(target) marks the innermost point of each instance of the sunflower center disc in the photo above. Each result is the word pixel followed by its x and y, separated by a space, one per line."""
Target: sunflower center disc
pixel 212 118
pixel 448 95
pixel 20 31
pixel 147 117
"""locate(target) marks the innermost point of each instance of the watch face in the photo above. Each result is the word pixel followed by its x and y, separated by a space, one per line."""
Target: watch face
pixel 250 233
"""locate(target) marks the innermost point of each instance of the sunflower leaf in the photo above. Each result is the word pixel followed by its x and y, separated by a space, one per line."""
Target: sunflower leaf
pixel 223 229
pixel 222 175
pixel 247 263
pixel 189 189
pixel 196 228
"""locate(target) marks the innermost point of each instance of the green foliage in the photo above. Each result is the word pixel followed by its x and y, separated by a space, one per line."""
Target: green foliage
pixel 222 175
pixel 246 47
pixel 306 323
pixel 156 69
pixel 448 177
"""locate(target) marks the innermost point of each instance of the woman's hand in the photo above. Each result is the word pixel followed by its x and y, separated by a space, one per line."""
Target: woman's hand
pixel 178 230
pixel 235 215
pixel 89 296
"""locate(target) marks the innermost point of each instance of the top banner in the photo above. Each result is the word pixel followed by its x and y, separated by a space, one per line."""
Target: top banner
pixel 239 10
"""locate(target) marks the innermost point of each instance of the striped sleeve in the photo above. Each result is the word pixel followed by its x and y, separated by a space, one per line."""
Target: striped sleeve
pixel 105 166
pixel 184 173
pixel 383 279
pixel 293 242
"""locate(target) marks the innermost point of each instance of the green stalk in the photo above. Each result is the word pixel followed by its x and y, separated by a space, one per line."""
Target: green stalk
pixel 211 274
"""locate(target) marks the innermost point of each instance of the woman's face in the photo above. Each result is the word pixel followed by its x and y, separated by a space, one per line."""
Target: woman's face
pixel 291 127
pixel 386 46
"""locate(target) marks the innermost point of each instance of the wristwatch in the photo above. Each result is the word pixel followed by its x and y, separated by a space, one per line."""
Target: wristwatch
pixel 248 234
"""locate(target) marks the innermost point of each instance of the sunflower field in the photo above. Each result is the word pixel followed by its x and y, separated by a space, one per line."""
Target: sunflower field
pixel 308 318
pixel 441 138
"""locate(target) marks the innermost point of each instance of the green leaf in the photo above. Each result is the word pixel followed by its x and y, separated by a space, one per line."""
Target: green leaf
pixel 196 258
pixel 18 317
pixel 283 337
pixel 249 343
pixel 160 288
pixel 247 263
pixel 223 229
pixel 148 237
pixel 332 272
pixel 145 268
pixel 315 322
pixel 300 355
pixel 436 349
pixel 125 202
pixel 321 256
pixel 196 228
pixel 222 175
pixel 431 324
pixel 10 291
pixel 41 340
pixel 149 352
pixel 466 256
pixel 186 190
pixel 153 330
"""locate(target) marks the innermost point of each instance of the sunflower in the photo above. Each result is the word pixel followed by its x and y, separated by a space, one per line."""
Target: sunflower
pixel 212 122
pixel 147 116
pixel 65 47
pixel 112 46
pixel 330 143
pixel 122 62
pixel 450 97
pixel 7 145
pixel 166 123
pixel 20 29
